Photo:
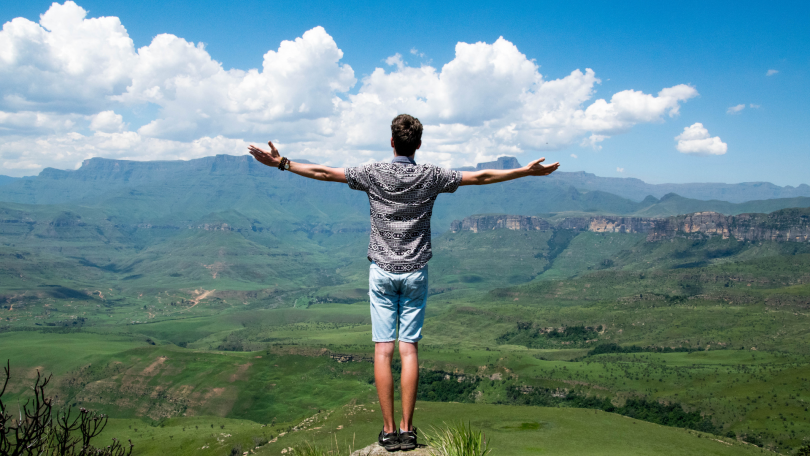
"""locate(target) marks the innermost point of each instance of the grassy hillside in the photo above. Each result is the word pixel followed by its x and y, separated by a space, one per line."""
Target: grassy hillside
pixel 177 297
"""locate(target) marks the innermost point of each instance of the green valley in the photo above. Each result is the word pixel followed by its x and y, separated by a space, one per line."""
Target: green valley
pixel 210 305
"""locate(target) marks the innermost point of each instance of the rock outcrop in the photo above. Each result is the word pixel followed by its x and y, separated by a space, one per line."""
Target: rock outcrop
pixel 787 225
pixel 780 226
pixel 376 450
pixel 597 224
pixel 478 223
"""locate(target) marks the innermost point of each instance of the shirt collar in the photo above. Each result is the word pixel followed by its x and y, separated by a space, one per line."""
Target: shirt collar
pixel 403 159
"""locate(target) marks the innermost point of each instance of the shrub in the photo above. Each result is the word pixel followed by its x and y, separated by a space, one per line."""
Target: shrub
pixel 38 430
pixel 456 439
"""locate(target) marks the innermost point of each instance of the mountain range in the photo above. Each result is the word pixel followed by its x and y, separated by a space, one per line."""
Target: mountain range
pixel 240 192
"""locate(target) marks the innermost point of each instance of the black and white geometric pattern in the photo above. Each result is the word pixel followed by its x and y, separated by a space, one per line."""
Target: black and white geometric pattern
pixel 401 195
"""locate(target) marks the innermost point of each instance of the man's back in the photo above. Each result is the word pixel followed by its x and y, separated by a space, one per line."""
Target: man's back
pixel 401 195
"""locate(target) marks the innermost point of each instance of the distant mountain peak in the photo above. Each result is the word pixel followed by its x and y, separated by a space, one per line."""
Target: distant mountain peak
pixel 501 163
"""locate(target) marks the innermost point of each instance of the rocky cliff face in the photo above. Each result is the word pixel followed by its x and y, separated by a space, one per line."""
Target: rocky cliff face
pixel 478 223
pixel 597 224
pixel 781 226
pixel 608 224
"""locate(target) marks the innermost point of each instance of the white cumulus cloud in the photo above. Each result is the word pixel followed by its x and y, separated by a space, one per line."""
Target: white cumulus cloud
pixel 65 62
pixel 68 82
pixel 771 72
pixel 37 123
pixel 735 109
pixel 395 60
pixel 107 122
pixel 695 139
pixel 593 141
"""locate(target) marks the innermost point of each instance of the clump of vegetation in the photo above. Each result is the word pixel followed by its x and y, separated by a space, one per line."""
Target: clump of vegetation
pixel 616 348
pixel 309 449
pixel 529 335
pixel 671 414
pixel 439 386
pixel 457 439
pixel 37 431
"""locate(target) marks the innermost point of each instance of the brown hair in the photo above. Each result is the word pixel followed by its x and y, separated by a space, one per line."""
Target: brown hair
pixel 407 133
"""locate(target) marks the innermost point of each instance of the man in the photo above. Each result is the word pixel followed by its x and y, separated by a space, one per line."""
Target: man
pixel 401 194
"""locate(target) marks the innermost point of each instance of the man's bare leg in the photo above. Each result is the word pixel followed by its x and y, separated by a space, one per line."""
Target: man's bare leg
pixel 409 353
pixel 383 353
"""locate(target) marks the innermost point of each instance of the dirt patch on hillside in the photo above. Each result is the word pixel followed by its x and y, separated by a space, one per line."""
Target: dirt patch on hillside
pixel 217 402
pixel 32 374
pixel 200 296
pixel 215 268
pixel 240 371
pixel 214 393
pixel 153 368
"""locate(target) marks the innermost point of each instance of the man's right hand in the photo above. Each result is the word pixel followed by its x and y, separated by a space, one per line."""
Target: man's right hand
pixel 535 168
pixel 271 158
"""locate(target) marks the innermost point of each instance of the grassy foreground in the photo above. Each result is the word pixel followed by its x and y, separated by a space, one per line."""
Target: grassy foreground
pixel 512 431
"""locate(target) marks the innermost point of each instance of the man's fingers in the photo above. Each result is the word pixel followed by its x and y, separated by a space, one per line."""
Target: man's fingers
pixel 272 147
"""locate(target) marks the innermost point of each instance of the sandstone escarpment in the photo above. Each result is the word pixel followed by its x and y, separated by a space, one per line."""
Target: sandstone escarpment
pixel 597 224
pixel 787 225
pixel 479 223
pixel 780 226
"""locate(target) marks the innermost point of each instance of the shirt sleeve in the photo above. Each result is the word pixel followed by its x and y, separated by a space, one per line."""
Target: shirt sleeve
pixel 448 180
pixel 358 178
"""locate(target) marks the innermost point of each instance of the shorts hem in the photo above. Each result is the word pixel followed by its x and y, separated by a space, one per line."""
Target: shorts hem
pixel 410 341
pixel 382 341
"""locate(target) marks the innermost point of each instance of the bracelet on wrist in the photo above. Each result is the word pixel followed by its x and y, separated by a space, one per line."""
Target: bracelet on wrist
pixel 284 164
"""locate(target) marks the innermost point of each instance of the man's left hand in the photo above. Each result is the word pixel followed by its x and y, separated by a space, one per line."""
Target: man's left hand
pixel 271 158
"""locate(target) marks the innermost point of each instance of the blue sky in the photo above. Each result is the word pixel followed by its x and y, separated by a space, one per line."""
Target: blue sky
pixel 723 51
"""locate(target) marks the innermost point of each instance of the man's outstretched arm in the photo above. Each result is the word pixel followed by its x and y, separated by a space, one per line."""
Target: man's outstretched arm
pixel 491 176
pixel 317 172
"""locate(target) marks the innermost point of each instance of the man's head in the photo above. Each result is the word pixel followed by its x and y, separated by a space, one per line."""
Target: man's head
pixel 406 134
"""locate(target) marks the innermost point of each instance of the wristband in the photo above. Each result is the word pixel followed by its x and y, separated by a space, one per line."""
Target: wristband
pixel 284 164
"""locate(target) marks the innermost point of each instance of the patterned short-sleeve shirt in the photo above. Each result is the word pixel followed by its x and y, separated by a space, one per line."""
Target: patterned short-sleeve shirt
pixel 401 195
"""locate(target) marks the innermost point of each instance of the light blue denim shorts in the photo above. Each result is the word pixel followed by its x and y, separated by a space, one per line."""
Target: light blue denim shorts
pixel 397 300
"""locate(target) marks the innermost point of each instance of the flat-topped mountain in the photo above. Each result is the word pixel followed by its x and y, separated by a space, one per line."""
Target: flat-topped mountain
pixel 781 226
pixel 500 163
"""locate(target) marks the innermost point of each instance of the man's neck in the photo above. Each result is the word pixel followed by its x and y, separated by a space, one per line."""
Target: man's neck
pixel 404 159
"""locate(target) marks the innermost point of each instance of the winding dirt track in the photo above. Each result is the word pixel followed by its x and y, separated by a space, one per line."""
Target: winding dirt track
pixel 199 298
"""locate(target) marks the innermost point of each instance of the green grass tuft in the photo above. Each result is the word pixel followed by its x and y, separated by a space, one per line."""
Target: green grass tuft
pixel 334 449
pixel 457 439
